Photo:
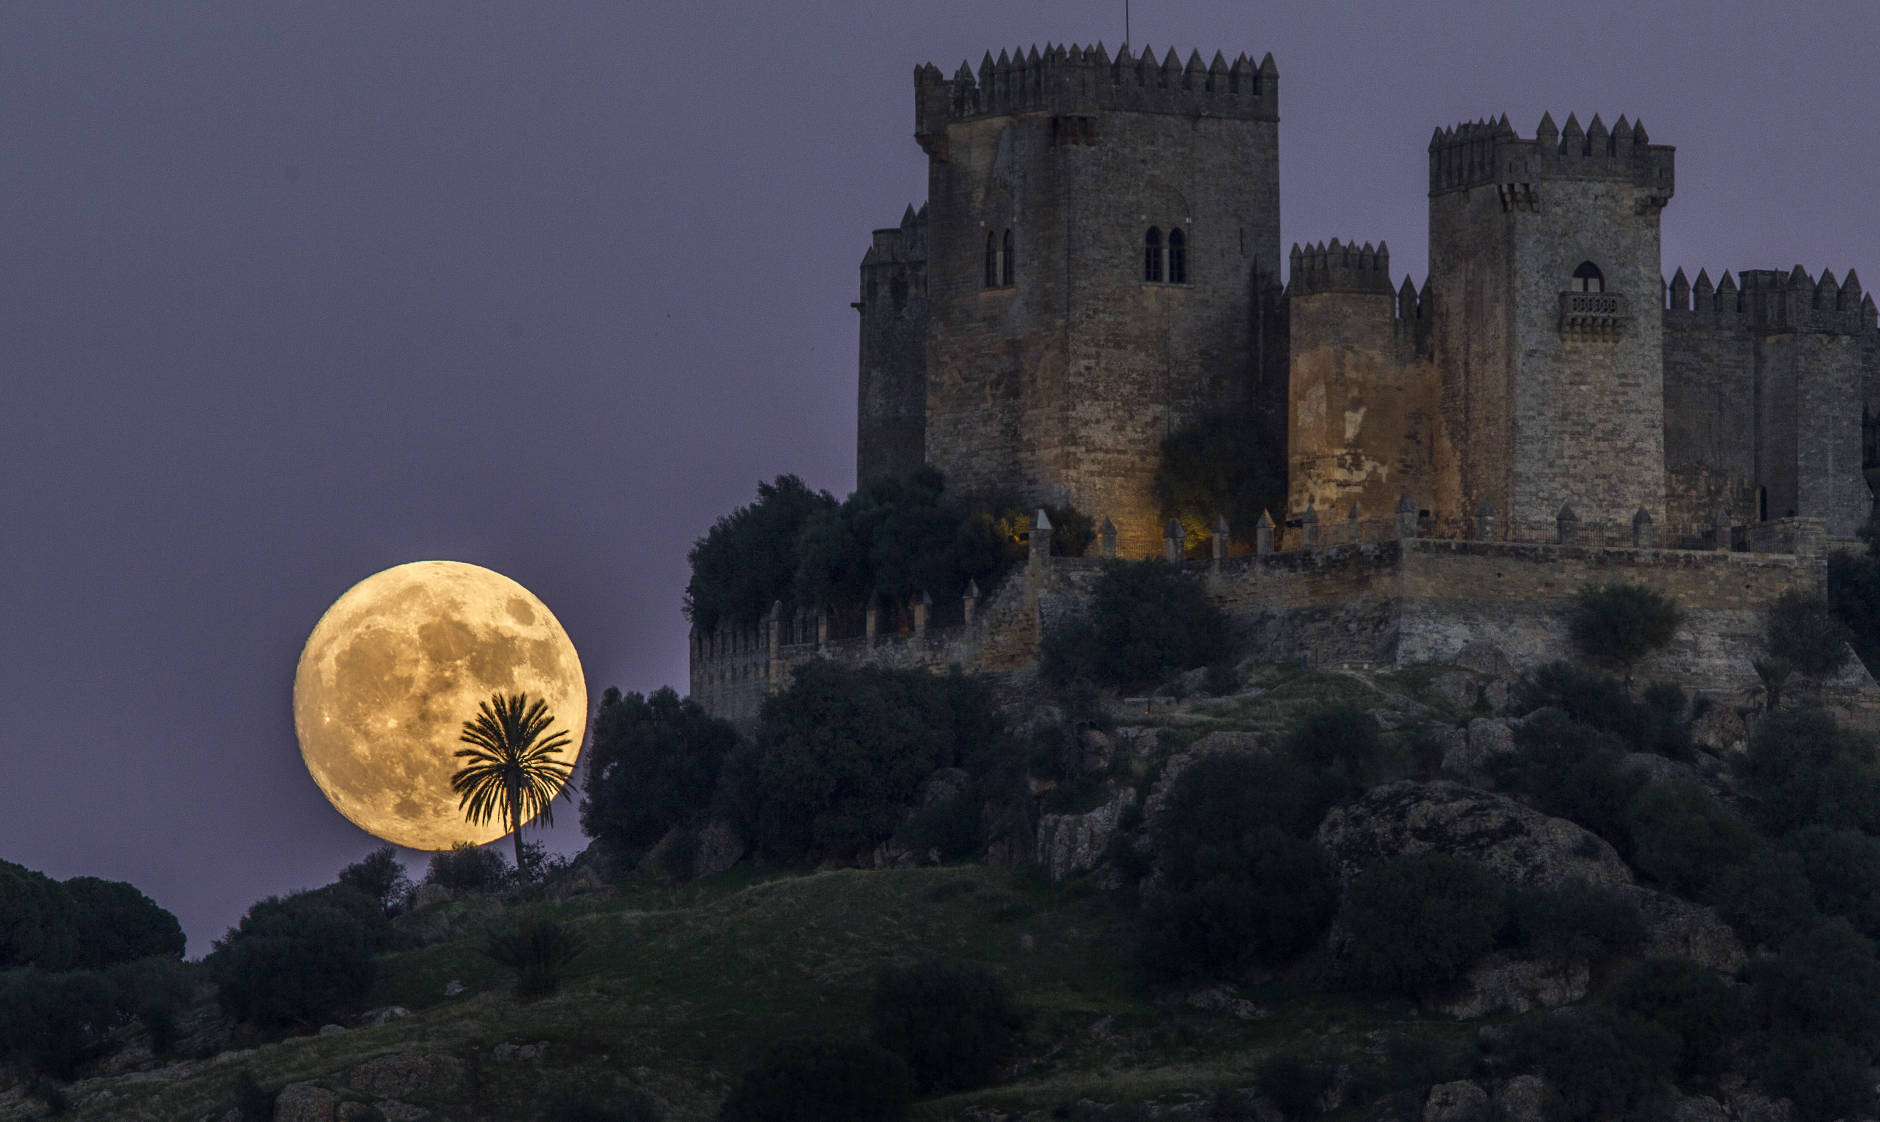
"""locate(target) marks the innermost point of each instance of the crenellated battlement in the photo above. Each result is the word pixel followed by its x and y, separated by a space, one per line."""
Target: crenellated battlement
pixel 1339 267
pixel 900 245
pixel 1771 301
pixel 1071 80
pixel 1489 152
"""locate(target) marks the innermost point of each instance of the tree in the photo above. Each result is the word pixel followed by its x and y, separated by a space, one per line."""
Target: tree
pixel 653 764
pixel 1219 467
pixel 116 923
pixel 380 876
pixel 296 961
pixel 954 1024
pixel 513 770
pixel 1146 619
pixel 1615 625
pixel 1802 632
pixel 748 560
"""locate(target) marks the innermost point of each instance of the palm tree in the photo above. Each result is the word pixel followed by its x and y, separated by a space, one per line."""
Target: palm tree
pixel 512 768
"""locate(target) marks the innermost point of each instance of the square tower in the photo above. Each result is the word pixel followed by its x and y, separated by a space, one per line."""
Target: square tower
pixel 1548 331
pixel 1102 268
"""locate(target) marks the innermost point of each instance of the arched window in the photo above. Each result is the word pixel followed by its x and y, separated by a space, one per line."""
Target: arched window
pixel 1177 257
pixel 1006 259
pixel 1762 504
pixel 992 259
pixel 1152 256
pixel 1588 278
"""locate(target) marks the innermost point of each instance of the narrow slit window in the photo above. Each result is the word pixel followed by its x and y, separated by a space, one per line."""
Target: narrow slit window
pixel 1588 278
pixel 1006 259
pixel 1152 255
pixel 1177 256
pixel 992 259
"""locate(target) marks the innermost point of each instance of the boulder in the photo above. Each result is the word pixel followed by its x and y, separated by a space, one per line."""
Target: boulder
pixel 1747 1106
pixel 1504 982
pixel 1468 752
pixel 332 1030
pixel 1461 1101
pixel 1700 1108
pixel 719 847
pixel 1457 689
pixel 946 784
pixel 1226 740
pixel 305 1102
pixel 360 1112
pixel 1720 729
pixel 1522 1099
pixel 578 880
pixel 1518 842
pixel 1069 842
pixel 403 1073
pixel 384 1015
pixel 1676 928
pixel 524 1053
pixel 1484 657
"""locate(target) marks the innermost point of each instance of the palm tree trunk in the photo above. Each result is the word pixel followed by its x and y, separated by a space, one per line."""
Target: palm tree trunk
pixel 515 829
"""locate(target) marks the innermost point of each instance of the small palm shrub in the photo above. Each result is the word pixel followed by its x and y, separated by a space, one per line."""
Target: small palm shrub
pixel 536 952
pixel 953 1024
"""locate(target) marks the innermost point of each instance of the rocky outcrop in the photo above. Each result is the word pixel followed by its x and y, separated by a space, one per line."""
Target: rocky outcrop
pixel 1522 1099
pixel 305 1102
pixel 1677 928
pixel 690 852
pixel 1523 845
pixel 1461 1101
pixel 1070 842
pixel 402 1074
pixel 1468 752
pixel 1504 982
pixel 1720 729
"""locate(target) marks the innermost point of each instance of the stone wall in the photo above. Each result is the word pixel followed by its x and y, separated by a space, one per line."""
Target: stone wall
pixel 891 397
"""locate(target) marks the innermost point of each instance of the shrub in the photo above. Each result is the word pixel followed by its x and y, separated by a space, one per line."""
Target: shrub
pixel 953 1024
pixel 818 1080
pixel 1652 723
pixel 1854 596
pixel 297 961
pixel 1683 838
pixel 653 764
pixel 535 952
pixel 1806 770
pixel 156 991
pixel 1342 740
pixel 1146 621
pixel 466 868
pixel 1220 467
pixel 254 1102
pixel 1843 868
pixel 1824 982
pixel 1417 921
pixel 1826 1078
pixel 842 753
pixel 380 876
pixel 1571 771
pixel 634 1106
pixel 1577 918
pixel 38 924
pixel 1799 629
pixel 1616 625
pixel 1600 1063
pixel 1766 899
pixel 1293 1083
pixel 1689 1001
pixel 55 1022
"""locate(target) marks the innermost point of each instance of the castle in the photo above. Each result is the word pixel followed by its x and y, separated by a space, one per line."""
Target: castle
pixel 1097 265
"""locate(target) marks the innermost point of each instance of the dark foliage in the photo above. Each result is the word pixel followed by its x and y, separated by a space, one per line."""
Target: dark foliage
pixel 157 991
pixel 1417 921
pixel 1683 838
pixel 819 1080
pixel 536 953
pixel 1294 1083
pixel 954 1024
pixel 1576 918
pixel 1843 869
pixel 1766 899
pixel 1219 467
pixel 466 868
pixel 1341 741
pixel 255 1102
pixel 116 923
pixel 1600 1063
pixel 653 764
pixel 1854 596
pixel 1690 1002
pixel 1801 630
pixel 1826 1078
pixel 634 1106
pixel 1146 621
pixel 1823 983
pixel 1571 771
pixel 53 1022
pixel 748 560
pixel 1651 723
pixel 1806 770
pixel 1615 625
pixel 841 754
pixel 38 921
pixel 299 960
pixel 381 877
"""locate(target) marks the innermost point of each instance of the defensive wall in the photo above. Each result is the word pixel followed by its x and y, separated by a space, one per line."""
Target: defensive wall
pixel 1335 591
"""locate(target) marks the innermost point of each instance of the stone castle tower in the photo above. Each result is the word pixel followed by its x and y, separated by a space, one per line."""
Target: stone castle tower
pixel 1096 265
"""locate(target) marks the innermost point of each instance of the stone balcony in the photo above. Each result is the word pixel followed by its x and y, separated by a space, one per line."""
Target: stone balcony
pixel 1602 315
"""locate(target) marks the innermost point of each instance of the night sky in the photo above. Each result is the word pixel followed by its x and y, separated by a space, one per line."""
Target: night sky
pixel 291 293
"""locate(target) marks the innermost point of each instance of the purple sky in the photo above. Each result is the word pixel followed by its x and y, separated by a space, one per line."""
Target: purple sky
pixel 292 293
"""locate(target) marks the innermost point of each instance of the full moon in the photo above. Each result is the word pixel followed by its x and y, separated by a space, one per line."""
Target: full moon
pixel 393 670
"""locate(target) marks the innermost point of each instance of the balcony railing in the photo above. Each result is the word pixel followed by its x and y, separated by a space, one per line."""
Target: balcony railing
pixel 1602 314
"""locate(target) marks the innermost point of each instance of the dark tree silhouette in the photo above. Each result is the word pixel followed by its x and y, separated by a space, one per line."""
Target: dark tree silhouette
pixel 512 770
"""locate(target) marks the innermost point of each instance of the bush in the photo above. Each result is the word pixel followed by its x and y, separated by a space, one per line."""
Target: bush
pixel 55 1022
pixel 1843 868
pixel 1293 1083
pixel 1418 921
pixel 1805 770
pixel 653 764
pixel 1341 740
pixel 294 962
pixel 819 1080
pixel 466 868
pixel 842 753
pixel 1683 838
pixel 535 952
pixel 953 1024
pixel 254 1102
pixel 1690 1002
pixel 1654 723
pixel 381 877
pixel 1766 899
pixel 1220 467
pixel 1577 918
pixel 1616 625
pixel 1272 903
pixel 1824 982
pixel 1854 596
pixel 748 560
pixel 157 991
pixel 634 1106
pixel 1826 1078
pixel 38 921
pixel 1571 771
pixel 1600 1063
pixel 1800 630
pixel 1146 621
